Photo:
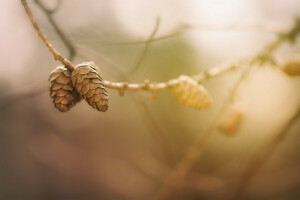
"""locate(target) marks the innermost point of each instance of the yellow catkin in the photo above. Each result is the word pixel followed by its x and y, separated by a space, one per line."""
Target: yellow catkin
pixel 230 122
pixel 89 85
pixel 61 90
pixel 191 94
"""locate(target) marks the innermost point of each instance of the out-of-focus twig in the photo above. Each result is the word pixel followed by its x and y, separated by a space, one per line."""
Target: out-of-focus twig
pixel 37 89
pixel 147 86
pixel 262 27
pixel 49 14
pixel 263 155
pixel 146 48
pixel 177 176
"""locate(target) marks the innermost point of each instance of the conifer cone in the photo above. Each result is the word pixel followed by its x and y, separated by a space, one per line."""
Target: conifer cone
pixel 61 90
pixel 292 68
pixel 89 85
pixel 189 93
pixel 230 122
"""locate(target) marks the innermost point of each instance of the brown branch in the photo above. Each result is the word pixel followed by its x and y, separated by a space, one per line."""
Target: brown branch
pixel 39 88
pixel 266 56
pixel 49 14
pixel 56 54
pixel 263 155
pixel 263 57
pixel 176 177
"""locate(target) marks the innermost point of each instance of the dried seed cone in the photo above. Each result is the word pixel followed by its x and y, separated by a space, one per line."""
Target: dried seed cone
pixel 230 121
pixel 292 68
pixel 61 90
pixel 189 93
pixel 88 83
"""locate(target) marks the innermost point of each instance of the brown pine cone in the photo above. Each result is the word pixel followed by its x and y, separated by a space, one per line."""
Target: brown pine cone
pixel 88 83
pixel 61 90
pixel 189 93
pixel 292 68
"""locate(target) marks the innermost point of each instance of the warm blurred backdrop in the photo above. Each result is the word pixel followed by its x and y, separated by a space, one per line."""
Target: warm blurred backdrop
pixel 128 151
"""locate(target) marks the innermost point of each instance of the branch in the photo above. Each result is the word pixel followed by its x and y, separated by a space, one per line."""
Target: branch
pixel 56 54
pixel 176 177
pixel 147 45
pixel 49 13
pixel 263 155
pixel 187 27
pixel 147 86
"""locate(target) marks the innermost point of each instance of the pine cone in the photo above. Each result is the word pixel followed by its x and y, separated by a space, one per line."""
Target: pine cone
pixel 292 68
pixel 230 121
pixel 189 93
pixel 88 83
pixel 61 89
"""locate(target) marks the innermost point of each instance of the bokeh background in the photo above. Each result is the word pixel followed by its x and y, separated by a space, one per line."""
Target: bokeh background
pixel 127 152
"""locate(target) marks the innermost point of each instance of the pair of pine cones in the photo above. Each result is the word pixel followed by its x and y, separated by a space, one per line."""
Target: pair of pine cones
pixel 84 82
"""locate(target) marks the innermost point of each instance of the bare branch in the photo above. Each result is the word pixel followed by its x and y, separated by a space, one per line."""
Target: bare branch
pixel 262 27
pixel 262 57
pixel 177 176
pixel 49 13
pixel 56 54
pixel 147 45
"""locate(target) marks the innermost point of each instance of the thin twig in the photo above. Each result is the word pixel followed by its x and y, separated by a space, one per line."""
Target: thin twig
pixel 263 155
pixel 147 86
pixel 146 48
pixel 49 13
pixel 113 85
pixel 177 176
pixel 47 10
pixel 187 27
pixel 157 134
pixel 56 54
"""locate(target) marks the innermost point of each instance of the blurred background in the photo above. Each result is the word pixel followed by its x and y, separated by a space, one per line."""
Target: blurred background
pixel 127 152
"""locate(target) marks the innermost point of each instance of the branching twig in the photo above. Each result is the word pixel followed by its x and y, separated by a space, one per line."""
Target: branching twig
pixel 186 27
pixel 49 13
pixel 37 89
pixel 56 54
pixel 109 84
pixel 147 86
pixel 263 155
pixel 177 176
pixel 147 45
